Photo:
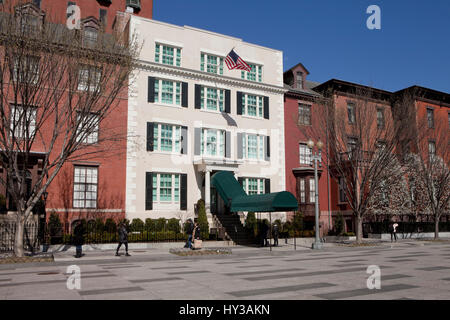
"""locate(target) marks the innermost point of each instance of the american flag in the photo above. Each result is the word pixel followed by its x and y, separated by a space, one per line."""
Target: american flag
pixel 233 61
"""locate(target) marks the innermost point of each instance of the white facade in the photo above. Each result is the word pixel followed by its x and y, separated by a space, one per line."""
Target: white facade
pixel 165 104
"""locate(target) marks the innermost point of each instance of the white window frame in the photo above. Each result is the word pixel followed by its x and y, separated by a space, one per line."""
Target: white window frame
pixel 312 190
pixel 260 183
pixel 176 148
pixel 92 137
pixel 32 70
pixel 176 97
pixel 259 145
pixel 159 53
pixel 77 200
pixel 173 188
pixel 220 135
pixel 302 191
pixel 19 131
pixel 89 75
pixel 304 157
pixel 220 98
pixel 258 73
pixel 259 105
pixel 204 63
pixel 301 114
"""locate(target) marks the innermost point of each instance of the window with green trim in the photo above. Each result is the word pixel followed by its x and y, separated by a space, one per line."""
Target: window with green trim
pixel 213 143
pixel 213 99
pixel 211 63
pixel 167 55
pixel 253 75
pixel 253 185
pixel 253 146
pixel 166 188
pixel 253 105
pixel 168 92
pixel 166 137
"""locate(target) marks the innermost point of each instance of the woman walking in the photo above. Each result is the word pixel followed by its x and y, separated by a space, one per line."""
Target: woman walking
pixel 123 239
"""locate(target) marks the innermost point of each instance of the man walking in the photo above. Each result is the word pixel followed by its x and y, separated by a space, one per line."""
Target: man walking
pixel 78 240
pixel 123 239
pixel 275 235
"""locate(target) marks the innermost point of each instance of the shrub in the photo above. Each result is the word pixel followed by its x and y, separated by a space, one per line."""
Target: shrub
pixel 137 225
pixel 150 224
pixel 339 223
pixel 297 224
pixel 348 234
pixel 110 225
pixel 54 225
pixel 160 224
pixel 202 219
pixel 174 225
pixel 99 226
pixel 251 224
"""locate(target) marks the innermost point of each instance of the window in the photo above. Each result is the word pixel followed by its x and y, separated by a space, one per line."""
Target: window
pixel 342 195
pixel 166 137
pixel 167 55
pixel 351 112
pixel 253 146
pixel 302 191
pixel 211 64
pixel 23 122
pixel 253 185
pixel 166 188
pixel 214 99
pixel 85 187
pixel 430 117
pixel 305 154
pixel 312 190
pixel 254 75
pixel 89 78
pixel 29 23
pixel 213 143
pixel 380 118
pixel 431 149
pixel 90 36
pixel 89 124
pixel 168 92
pixel 300 80
pixel 352 144
pixel 26 70
pixel 304 114
pixel 252 105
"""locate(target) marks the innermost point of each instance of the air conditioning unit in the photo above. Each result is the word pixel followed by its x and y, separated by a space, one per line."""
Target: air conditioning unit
pixel 136 4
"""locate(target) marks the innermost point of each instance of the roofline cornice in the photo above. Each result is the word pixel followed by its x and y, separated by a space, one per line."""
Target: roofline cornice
pixel 200 75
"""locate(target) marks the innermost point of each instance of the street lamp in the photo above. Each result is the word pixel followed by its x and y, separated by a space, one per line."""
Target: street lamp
pixel 316 157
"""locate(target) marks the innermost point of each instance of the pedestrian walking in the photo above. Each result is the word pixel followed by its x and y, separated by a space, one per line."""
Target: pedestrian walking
pixel 123 239
pixel 265 232
pixel 395 226
pixel 78 239
pixel 275 233
pixel 189 232
pixel 197 236
pixel 393 231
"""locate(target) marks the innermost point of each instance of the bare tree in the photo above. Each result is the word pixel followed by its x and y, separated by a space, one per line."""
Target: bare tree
pixel 56 91
pixel 362 143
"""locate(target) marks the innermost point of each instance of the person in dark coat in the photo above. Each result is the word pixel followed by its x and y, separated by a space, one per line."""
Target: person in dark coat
pixel 78 239
pixel 189 232
pixel 266 232
pixel 123 239
pixel 275 233
pixel 196 233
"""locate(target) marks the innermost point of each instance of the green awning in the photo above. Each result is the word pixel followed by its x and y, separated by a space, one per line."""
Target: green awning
pixel 235 197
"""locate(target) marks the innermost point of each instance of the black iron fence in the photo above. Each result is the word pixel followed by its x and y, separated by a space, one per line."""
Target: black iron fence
pixel 31 237
pixel 405 227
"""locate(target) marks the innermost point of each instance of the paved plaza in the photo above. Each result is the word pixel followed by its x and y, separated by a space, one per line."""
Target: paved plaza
pixel 409 270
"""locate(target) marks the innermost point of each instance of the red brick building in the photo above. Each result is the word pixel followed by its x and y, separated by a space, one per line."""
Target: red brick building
pixel 92 186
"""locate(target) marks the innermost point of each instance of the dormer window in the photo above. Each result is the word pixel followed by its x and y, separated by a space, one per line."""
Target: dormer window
pixel 135 4
pixel 299 80
pixel 30 18
pixel 90 36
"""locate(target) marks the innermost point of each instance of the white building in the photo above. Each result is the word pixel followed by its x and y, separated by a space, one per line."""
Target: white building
pixel 189 117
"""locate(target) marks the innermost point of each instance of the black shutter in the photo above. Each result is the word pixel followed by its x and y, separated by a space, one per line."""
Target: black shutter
pixel 149 191
pixel 227 101
pixel 184 94
pixel 183 192
pixel 150 136
pixel 198 96
pixel 266 107
pixel 239 103
pixel 267 158
pixel 241 181
pixel 151 89
pixel 267 185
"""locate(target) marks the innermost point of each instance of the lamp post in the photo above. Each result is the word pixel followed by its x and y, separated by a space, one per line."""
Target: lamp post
pixel 316 157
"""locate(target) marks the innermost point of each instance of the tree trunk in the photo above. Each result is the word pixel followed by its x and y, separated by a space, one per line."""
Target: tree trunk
pixel 359 233
pixel 18 241
pixel 436 228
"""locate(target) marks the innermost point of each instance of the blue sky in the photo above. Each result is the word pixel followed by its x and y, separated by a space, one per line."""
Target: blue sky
pixel 331 38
